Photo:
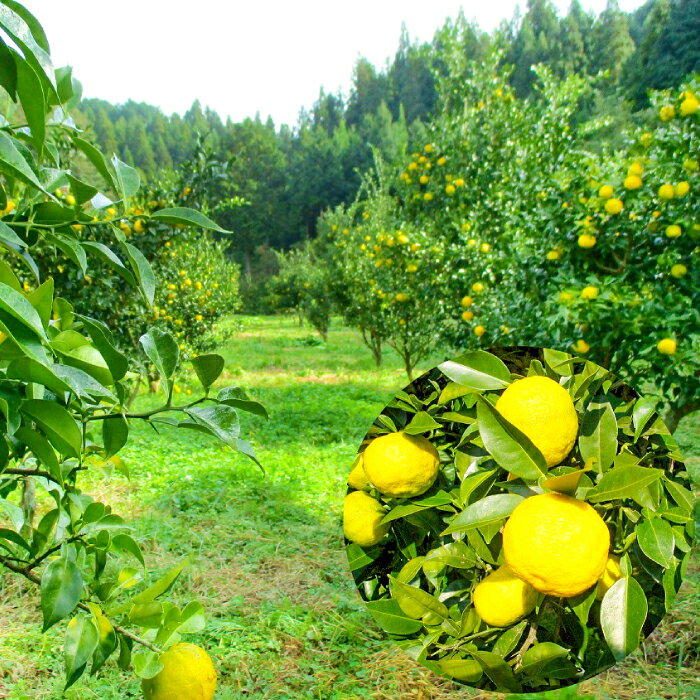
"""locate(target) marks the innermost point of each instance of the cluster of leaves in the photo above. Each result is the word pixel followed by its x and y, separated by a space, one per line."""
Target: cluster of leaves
pixel 64 380
pixel 419 581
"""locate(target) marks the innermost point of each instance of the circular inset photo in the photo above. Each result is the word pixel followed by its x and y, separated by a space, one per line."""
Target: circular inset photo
pixel 518 519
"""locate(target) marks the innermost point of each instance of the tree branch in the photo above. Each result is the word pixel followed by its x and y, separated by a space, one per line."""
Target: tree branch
pixel 36 580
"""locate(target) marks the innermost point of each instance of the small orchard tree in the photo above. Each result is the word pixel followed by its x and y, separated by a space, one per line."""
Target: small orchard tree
pixel 64 380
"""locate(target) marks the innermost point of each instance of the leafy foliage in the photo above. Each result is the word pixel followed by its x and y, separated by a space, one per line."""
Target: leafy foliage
pixel 419 581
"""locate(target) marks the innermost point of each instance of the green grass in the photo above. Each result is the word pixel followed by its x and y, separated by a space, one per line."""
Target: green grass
pixel 284 620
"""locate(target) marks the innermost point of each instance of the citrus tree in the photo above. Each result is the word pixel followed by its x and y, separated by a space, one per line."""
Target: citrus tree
pixel 518 520
pixel 388 274
pixel 64 383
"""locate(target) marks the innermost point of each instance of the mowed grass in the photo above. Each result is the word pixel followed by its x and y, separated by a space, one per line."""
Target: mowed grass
pixel 269 566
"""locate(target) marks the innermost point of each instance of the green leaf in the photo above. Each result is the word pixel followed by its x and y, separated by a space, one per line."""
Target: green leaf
pixel 107 642
pixel 161 586
pixel 359 557
pixel 486 511
pixel 12 162
pixel 162 350
pixel 19 307
pixel 107 255
pixel 456 555
pixel 497 670
pixel 642 413
pixel 142 271
pixel 146 663
pixel 477 370
pixel 192 619
pixel 25 31
pixel 453 391
pixel 97 159
pixel 417 603
pixel 126 543
pixel 31 96
pixel 15 538
pixel 564 483
pixel 655 539
pixel 148 615
pixel 511 448
pixel 622 615
pixel 127 179
pixel 421 422
pixel 115 433
pixel 621 481
pixel 81 641
pixel 57 424
pixel 505 644
pixel 547 660
pixel 598 435
pixel 220 420
pixel 102 338
pixel 581 604
pixel 682 496
pixel 28 370
pixel 465 670
pixel 82 190
pixel 559 362
pixel 42 300
pixel 61 589
pixel 42 450
pixel 7 235
pixel 208 368
pixel 187 217
pixel 401 511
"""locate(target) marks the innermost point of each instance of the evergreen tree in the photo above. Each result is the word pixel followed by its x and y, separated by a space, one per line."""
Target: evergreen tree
pixel 611 43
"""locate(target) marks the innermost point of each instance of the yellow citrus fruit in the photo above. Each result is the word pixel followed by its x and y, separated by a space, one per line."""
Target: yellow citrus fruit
pixel 428 196
pixel 668 112
pixel 362 517
pixel 691 165
pixel 544 411
pixel 667 346
pixel 682 188
pixel 558 544
pixel 401 297
pixel 679 270
pixel 589 293
pixel 585 240
pixel 581 346
pixel 467 301
pixel 502 598
pixel 690 105
pixel 478 287
pixel 358 479
pixel 611 573
pixel 479 331
pixel 606 191
pixel 555 254
pixel 667 191
pixel 614 206
pixel 635 169
pixel 188 674
pixel 633 182
pixel 401 465
pixel 450 189
pixel 673 231
pixel 485 247
pixel 467 315
pixel 424 179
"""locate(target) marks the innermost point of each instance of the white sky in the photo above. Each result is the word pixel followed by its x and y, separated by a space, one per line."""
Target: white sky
pixel 269 56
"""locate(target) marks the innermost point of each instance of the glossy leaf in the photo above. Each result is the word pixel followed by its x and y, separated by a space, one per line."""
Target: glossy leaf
pixel 622 615
pixel 142 271
pixel 466 670
pixel 162 350
pixel 81 641
pixel 57 424
pixel 208 368
pixel 146 663
pixel 497 670
pixel 644 409
pixel 186 217
pixel 115 433
pixel 126 543
pixel 61 588
pixel 505 644
pixel 127 179
pixel 17 305
pixel 621 480
pixel 97 159
pixel 417 603
pixel 477 370
pixel 598 436
pixel 486 511
pixel 655 539
pixel 31 96
pixel 220 420
pixel 421 422
pixel 547 660
pixel 511 448
pixel 104 342
pixel 13 163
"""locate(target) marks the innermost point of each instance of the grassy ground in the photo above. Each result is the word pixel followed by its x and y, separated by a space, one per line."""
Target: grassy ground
pixel 285 621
